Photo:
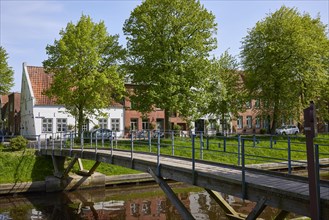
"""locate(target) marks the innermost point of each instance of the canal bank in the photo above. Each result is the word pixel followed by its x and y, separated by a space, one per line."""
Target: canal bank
pixel 74 182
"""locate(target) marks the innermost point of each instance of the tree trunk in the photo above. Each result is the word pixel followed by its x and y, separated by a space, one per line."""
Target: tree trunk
pixel 223 123
pixel 80 121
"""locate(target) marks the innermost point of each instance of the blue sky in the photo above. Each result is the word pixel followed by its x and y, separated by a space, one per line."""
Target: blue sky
pixel 28 26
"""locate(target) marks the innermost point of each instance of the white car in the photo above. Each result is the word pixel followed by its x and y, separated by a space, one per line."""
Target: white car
pixel 287 129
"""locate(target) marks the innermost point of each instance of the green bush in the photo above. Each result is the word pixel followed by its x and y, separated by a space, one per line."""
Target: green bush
pixel 262 131
pixel 18 143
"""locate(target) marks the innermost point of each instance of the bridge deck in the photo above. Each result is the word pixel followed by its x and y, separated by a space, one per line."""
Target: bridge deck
pixel 286 192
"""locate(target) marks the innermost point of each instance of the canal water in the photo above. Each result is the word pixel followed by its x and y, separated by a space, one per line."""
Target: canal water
pixel 127 202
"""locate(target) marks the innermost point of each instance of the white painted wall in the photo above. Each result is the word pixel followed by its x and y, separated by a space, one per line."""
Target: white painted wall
pixel 56 112
pixel 27 128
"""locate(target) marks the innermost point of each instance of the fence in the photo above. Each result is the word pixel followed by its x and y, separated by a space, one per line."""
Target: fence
pixel 273 152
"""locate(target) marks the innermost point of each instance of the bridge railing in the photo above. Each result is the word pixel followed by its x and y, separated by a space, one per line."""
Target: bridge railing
pixel 273 152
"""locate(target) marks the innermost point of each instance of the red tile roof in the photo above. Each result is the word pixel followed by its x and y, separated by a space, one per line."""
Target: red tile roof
pixel 41 81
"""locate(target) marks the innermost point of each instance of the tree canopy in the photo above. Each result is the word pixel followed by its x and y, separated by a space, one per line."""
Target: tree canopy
pixel 168 44
pixel 6 73
pixel 285 58
pixel 84 64
pixel 226 89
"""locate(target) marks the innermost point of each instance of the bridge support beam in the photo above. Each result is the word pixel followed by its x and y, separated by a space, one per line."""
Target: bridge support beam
pixel 230 212
pixel 58 163
pixel 260 206
pixel 172 196
pixel 70 166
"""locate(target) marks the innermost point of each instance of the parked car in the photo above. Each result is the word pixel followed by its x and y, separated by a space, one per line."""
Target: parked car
pixel 287 129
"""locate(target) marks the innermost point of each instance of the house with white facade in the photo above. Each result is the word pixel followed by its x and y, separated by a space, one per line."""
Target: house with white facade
pixel 41 116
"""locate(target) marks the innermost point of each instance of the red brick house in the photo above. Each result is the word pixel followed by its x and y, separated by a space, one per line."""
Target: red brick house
pixel 134 120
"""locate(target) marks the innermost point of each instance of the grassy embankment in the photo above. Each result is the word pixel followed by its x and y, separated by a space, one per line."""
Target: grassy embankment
pixel 24 166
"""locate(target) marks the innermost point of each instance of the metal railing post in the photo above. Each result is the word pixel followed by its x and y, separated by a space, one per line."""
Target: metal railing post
pixel 46 142
pixel 111 139
pixel 91 140
pixel 95 144
pixel 243 171
pixel 149 140
pixel 53 141
pixel 96 141
pixel 239 150
pixel 132 145
pixel 158 155
pixel 224 143
pixel 61 138
pixel 116 139
pixel 102 139
pixel 289 156
pixel 172 143
pixel 193 158
pixel 201 145
pixel 39 143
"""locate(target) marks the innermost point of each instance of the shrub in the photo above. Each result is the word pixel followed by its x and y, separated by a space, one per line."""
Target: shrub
pixel 262 131
pixel 18 143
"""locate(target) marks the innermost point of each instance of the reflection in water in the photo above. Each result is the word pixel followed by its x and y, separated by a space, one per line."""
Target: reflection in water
pixel 119 203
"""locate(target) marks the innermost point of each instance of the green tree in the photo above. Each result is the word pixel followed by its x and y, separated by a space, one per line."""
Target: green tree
pixel 169 42
pixel 6 73
pixel 226 90
pixel 84 64
pixel 285 57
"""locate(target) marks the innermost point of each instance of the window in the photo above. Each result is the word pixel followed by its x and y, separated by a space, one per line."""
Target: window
pixel 134 124
pixel 115 124
pixel 102 122
pixel 145 124
pixel 257 103
pixel 266 122
pixel 61 125
pixel 249 122
pixel 240 122
pixel 257 122
pixel 47 125
pixel 85 126
pixel 212 124
pixel 291 121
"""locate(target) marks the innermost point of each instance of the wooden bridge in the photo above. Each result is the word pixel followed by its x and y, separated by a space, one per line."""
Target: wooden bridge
pixel 288 193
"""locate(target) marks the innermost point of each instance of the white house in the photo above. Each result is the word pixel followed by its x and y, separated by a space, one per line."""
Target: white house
pixel 42 116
